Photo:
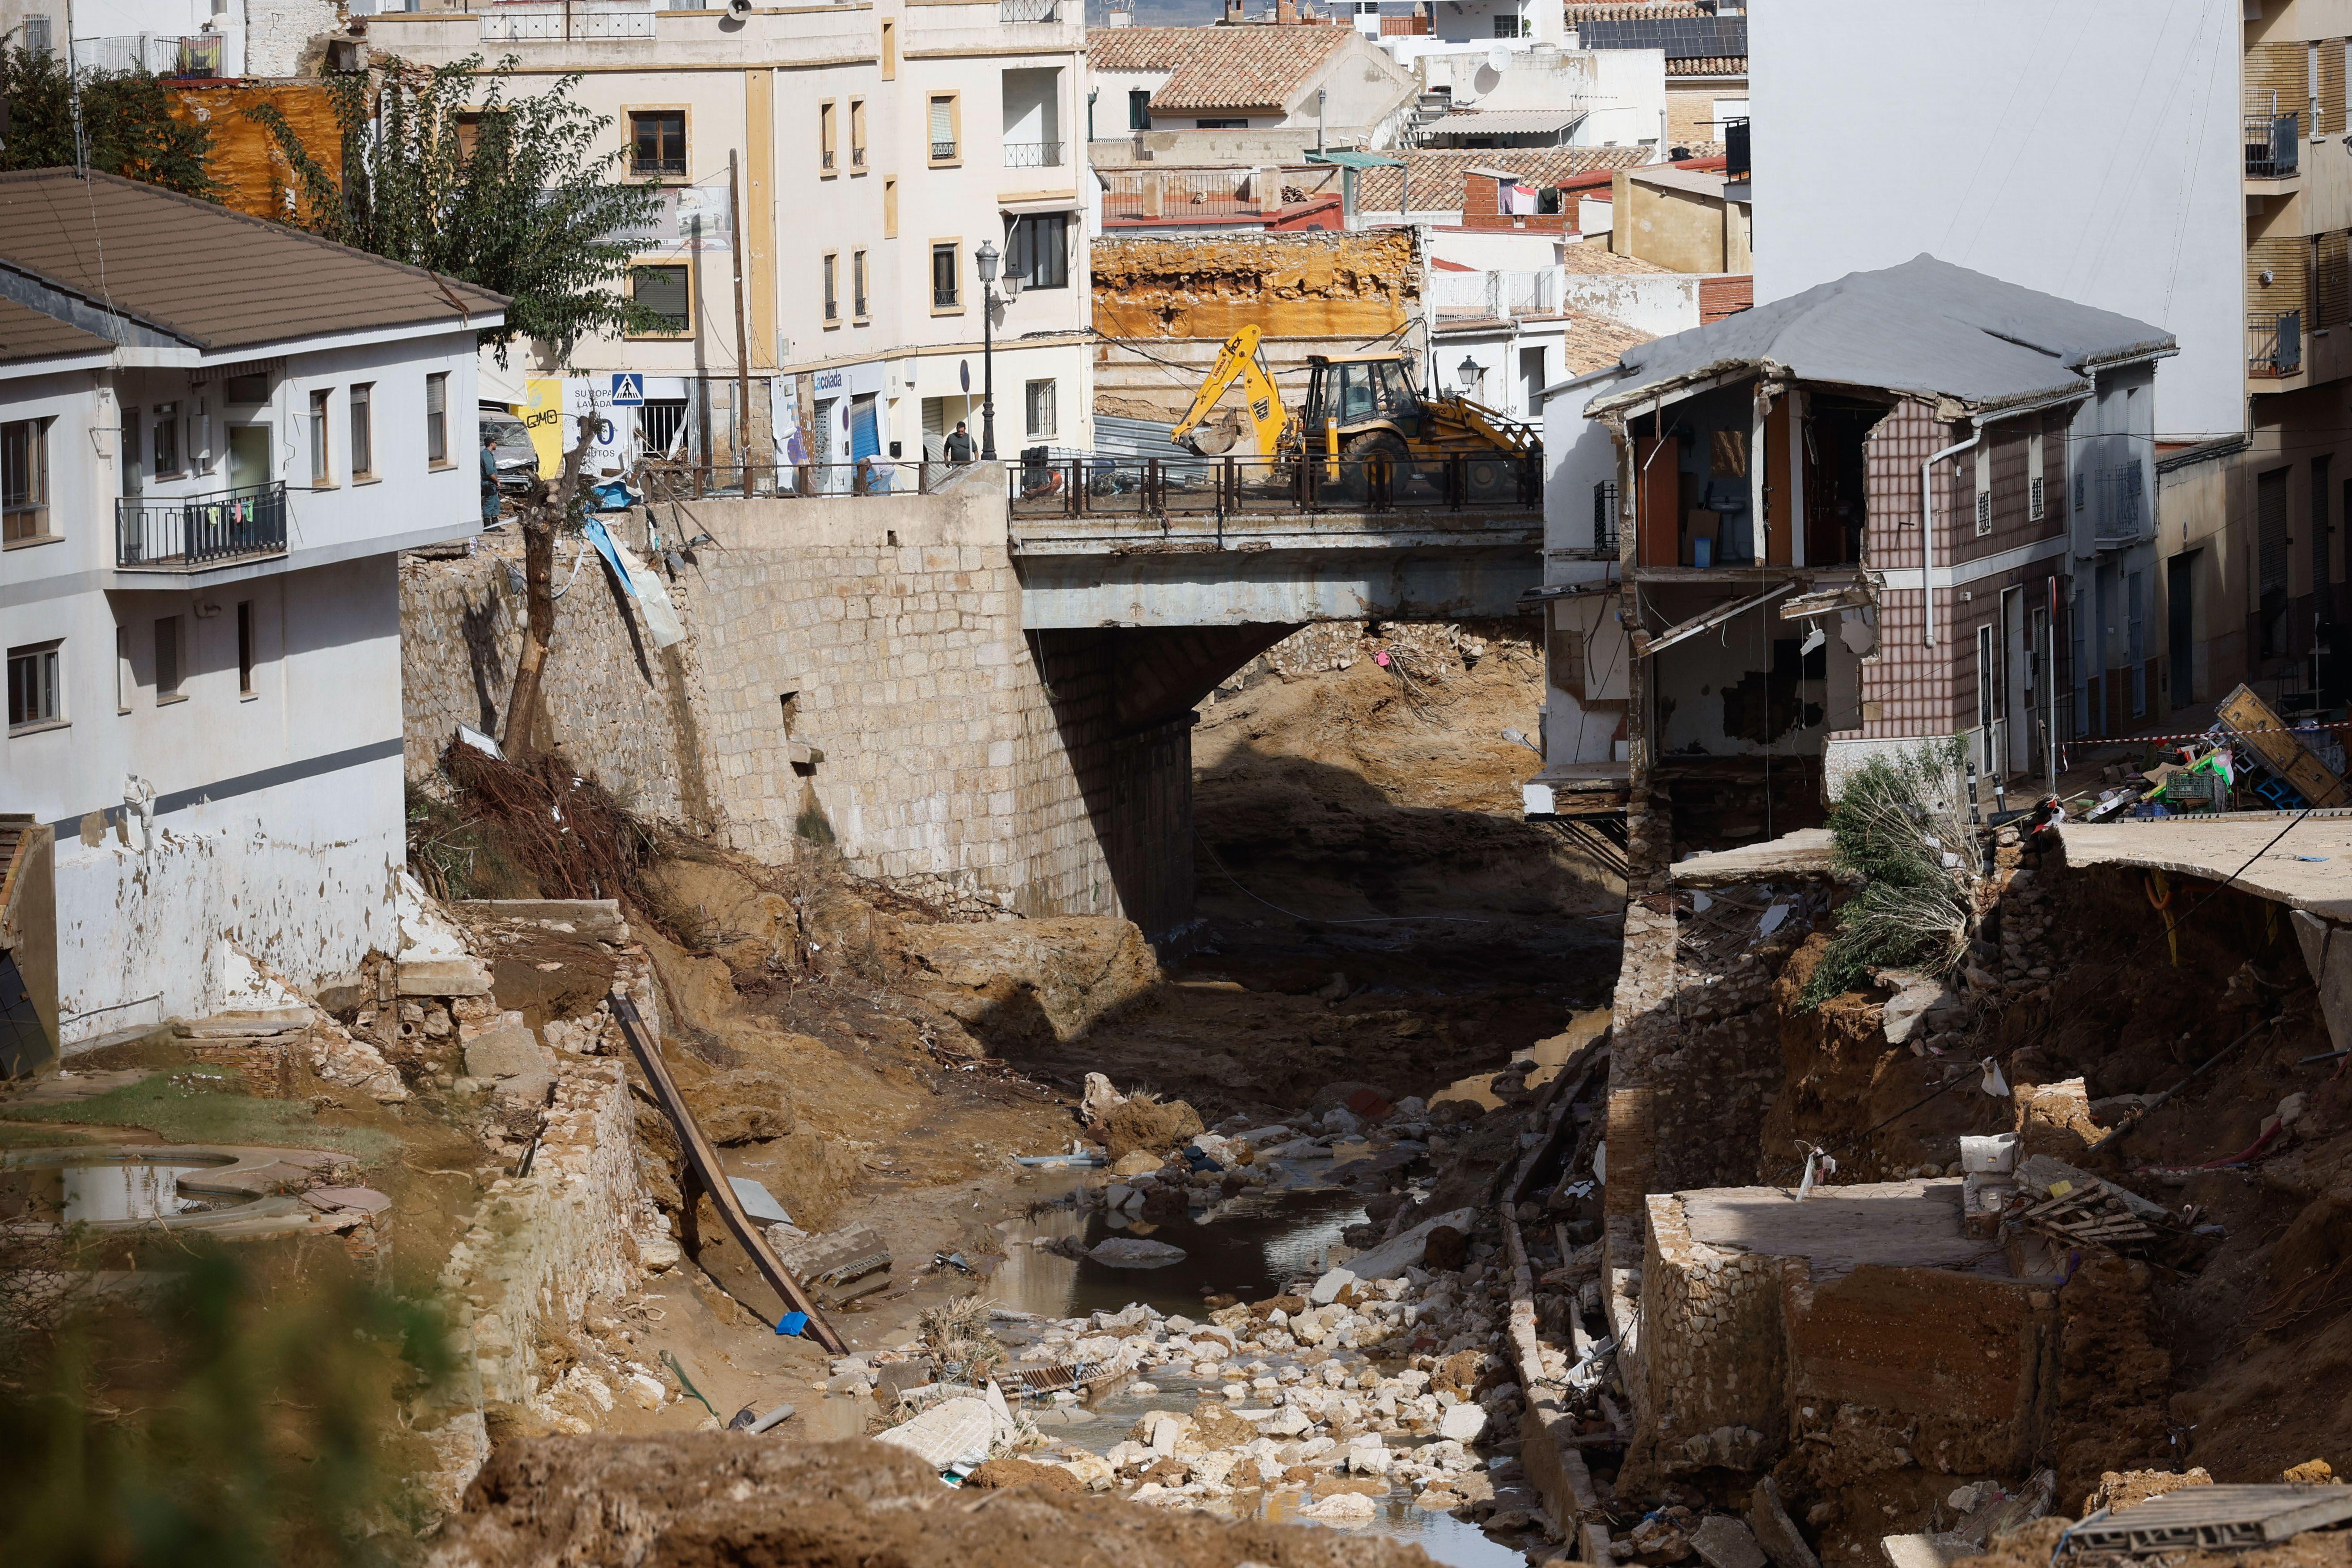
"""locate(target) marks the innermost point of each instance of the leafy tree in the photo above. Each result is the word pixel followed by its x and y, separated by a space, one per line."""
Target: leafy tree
pixel 127 124
pixel 1900 828
pixel 441 169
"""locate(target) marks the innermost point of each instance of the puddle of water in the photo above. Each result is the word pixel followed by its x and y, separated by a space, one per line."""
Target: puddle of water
pixel 100 1191
pixel 1249 1248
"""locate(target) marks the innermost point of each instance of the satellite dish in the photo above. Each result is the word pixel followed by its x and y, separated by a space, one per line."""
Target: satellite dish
pixel 1498 58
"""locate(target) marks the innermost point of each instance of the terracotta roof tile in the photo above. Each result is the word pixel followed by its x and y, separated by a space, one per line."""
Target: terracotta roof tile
pixel 207 275
pixel 1438 172
pixel 1259 65
pixel 1631 10
pixel 1709 65
pixel 1593 257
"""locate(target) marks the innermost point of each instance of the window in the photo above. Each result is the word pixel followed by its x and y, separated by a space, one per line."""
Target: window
pixel 1984 488
pixel 167 430
pixel 36 36
pixel 856 135
pixel 362 404
pixel 657 143
pixel 662 419
pixel 167 661
pixel 245 659
pixel 664 290
pixel 24 480
pixel 825 130
pixel 889 51
pixel 945 270
pixel 1507 26
pixel 1038 250
pixel 1040 404
pixel 436 418
pixel 1139 109
pixel 201 458
pixel 858 284
pixel 1221 125
pixel 35 699
pixel 134 459
pixel 2033 476
pixel 890 207
pixel 125 682
pixel 947 120
pixel 321 471
pixel 832 292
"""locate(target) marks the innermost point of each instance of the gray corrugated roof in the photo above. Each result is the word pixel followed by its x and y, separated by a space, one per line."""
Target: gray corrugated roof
pixel 1925 328
pixel 27 334
pixel 209 276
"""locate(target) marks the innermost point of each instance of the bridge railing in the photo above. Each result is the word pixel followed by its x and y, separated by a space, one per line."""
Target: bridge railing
pixel 1099 487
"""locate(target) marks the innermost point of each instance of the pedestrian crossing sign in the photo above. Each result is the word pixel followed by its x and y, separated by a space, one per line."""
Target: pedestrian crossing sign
pixel 628 389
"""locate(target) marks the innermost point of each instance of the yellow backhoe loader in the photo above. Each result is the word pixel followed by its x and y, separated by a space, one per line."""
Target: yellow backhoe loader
pixel 1363 419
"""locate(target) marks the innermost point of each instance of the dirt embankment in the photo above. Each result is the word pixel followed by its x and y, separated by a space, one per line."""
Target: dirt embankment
pixel 2239 1359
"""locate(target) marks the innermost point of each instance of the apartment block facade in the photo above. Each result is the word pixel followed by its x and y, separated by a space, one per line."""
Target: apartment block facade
pixel 875 148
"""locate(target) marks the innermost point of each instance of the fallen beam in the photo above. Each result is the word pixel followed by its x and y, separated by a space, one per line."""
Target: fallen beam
pixel 703 1158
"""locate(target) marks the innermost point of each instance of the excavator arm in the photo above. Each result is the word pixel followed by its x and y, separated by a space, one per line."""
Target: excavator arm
pixel 1242 360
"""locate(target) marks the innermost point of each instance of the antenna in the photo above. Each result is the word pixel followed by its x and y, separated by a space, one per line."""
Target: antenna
pixel 73 93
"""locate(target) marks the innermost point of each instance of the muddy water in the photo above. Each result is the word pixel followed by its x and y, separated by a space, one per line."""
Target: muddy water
pixel 101 1191
pixel 1250 1249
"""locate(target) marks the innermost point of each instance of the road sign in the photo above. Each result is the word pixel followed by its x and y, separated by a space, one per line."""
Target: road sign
pixel 628 389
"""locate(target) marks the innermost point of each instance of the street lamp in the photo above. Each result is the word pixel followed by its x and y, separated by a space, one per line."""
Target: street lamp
pixel 985 259
pixel 1470 373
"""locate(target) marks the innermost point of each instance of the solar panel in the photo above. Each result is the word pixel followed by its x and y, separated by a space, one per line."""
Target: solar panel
pixel 1681 38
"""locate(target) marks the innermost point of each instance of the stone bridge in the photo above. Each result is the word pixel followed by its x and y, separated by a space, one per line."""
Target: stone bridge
pixel 967 697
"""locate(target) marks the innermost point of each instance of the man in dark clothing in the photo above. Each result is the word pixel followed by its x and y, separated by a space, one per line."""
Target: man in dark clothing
pixel 959 445
pixel 489 478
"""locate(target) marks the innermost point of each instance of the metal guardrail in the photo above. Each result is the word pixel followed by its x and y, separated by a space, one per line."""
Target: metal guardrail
pixel 787 481
pixel 2273 146
pixel 518 21
pixel 2275 349
pixel 1028 10
pixel 191 531
pixel 1240 487
pixel 1032 154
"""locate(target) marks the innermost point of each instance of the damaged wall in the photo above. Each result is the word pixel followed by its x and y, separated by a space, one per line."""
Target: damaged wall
pixel 1288 286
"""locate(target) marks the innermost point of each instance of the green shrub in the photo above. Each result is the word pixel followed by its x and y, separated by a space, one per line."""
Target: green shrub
pixel 1893 825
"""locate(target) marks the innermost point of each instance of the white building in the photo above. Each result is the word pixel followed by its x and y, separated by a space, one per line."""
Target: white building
pixel 2184 165
pixel 876 150
pixel 178 38
pixel 206 472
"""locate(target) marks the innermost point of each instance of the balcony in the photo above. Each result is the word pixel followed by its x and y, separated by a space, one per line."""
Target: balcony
pixel 527 21
pixel 945 299
pixel 1032 154
pixel 1028 10
pixel 2274 348
pixel 189 533
pixel 943 152
pixel 2273 145
pixel 657 168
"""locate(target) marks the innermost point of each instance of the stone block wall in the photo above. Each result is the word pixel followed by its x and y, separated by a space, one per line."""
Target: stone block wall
pixel 1707 1374
pixel 958 758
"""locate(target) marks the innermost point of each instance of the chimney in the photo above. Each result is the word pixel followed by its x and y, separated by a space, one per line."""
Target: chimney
pixel 1285 10
pixel 1233 13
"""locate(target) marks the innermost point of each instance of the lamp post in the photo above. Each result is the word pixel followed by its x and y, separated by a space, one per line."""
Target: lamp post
pixel 1471 374
pixel 985 259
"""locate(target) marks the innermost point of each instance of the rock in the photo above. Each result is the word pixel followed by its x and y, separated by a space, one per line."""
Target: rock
pixel 1462 1423
pixel 1287 1422
pixel 1774 1530
pixel 1041 982
pixel 1445 1247
pixel 509 1051
pixel 1938 1550
pixel 1392 1258
pixel 1149 1125
pixel 744 1106
pixel 1342 1508
pixel 2311 1472
pixel 1724 1542
pixel 1327 1290
pixel 1011 1472
pixel 1098 1098
pixel 1135 1252
pixel 1135 1163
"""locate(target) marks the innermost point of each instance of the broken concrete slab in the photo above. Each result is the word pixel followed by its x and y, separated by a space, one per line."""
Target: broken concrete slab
pixel 1724 1542
pixel 245 1024
pixel 1327 1290
pixel 1804 853
pixel 1462 1423
pixel 2327 952
pixel 462 976
pixel 366 1200
pixel 598 918
pixel 1774 1530
pixel 1394 1256
pixel 1936 1550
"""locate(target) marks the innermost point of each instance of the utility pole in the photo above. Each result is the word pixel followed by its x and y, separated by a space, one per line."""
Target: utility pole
pixel 742 339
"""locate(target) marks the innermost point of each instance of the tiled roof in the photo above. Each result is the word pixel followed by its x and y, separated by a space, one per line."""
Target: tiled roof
pixel 1589 343
pixel 1593 256
pixel 1630 10
pixel 213 278
pixel 1257 65
pixel 1709 65
pixel 1437 173
pixel 26 335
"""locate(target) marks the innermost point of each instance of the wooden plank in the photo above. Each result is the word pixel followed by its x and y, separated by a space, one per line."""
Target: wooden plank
pixel 704 1159
pixel 2254 722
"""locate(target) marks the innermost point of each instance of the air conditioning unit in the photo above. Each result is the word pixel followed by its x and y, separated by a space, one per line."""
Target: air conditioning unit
pixel 1984 513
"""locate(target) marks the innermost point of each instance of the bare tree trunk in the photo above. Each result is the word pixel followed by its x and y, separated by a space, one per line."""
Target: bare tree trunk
pixel 540 516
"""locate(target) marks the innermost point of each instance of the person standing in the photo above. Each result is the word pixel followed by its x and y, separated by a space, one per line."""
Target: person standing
pixel 957 446
pixel 489 478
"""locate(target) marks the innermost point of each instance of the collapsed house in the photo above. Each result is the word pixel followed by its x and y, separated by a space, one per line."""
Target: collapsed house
pixel 1823 527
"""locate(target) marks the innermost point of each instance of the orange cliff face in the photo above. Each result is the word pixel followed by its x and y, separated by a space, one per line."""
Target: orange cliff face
pixel 251 175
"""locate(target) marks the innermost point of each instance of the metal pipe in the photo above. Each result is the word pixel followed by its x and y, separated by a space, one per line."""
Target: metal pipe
pixel 743 342
pixel 1928 528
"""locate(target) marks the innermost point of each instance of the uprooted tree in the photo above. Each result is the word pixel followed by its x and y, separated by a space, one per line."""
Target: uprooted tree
pixel 1901 825
pixel 546 511
pixel 442 169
